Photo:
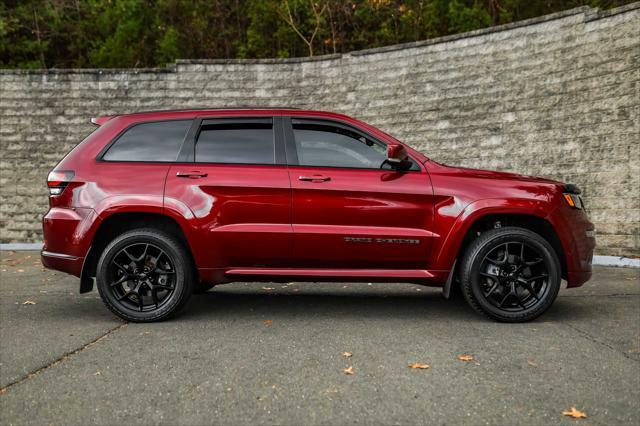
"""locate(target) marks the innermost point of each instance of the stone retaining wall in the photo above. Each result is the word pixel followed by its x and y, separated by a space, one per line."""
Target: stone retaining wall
pixel 556 96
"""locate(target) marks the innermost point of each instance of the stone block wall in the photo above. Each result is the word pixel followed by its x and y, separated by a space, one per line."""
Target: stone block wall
pixel 556 96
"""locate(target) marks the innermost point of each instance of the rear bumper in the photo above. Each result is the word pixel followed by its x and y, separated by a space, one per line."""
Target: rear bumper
pixel 67 238
pixel 62 262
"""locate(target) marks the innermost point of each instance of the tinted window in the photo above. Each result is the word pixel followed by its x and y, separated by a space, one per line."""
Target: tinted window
pixel 325 145
pixel 159 141
pixel 244 143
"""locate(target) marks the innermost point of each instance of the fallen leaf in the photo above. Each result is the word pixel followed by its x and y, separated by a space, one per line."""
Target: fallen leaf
pixel 28 302
pixel 268 322
pixel 347 354
pixel 20 270
pixel 267 288
pixel 576 414
pixel 465 357
pixel 348 371
pixel 532 363
pixel 97 373
pixel 3 391
pixel 418 366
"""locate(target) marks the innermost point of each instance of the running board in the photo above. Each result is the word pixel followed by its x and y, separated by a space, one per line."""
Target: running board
pixel 334 273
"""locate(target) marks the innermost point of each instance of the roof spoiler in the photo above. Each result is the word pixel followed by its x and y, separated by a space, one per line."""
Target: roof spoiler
pixel 99 121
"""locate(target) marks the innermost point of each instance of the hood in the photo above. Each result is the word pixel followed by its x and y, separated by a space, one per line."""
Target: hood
pixel 465 172
pixel 490 174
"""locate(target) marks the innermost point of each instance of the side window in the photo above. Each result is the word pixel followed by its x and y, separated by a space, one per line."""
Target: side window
pixel 236 143
pixel 330 146
pixel 157 141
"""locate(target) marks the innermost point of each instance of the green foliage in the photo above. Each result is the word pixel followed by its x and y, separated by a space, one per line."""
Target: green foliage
pixel 148 33
pixel 467 17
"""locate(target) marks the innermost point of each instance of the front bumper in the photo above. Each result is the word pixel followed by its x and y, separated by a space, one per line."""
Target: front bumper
pixel 577 236
pixel 576 279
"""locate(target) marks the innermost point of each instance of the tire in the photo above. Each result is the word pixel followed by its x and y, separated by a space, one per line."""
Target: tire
pixel 145 275
pixel 510 274
pixel 200 288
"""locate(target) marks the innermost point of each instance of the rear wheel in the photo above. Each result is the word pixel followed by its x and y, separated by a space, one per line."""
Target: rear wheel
pixel 145 275
pixel 510 274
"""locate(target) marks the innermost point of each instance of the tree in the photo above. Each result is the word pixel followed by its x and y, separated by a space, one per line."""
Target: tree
pixel 148 33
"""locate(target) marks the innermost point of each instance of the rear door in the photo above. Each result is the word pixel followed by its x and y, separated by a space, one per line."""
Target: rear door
pixel 350 210
pixel 236 188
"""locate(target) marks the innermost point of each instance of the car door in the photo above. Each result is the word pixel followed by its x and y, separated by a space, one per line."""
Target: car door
pixel 236 188
pixel 350 209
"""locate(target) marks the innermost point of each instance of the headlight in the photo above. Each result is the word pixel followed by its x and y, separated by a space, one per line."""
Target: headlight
pixel 572 196
pixel 574 200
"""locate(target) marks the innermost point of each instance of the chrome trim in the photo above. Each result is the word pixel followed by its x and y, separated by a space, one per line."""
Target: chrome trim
pixel 58 255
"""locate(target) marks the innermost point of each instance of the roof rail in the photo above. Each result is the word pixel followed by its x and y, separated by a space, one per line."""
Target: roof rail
pixel 213 109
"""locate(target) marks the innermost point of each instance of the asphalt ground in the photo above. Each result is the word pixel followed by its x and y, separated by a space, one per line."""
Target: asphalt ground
pixel 255 353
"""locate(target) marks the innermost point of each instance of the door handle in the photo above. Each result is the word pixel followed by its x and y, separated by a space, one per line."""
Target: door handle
pixel 314 178
pixel 195 174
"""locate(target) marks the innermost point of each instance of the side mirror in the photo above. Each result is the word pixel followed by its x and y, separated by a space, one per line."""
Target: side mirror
pixel 397 157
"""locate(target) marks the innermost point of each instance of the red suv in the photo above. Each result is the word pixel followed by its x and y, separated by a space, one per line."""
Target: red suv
pixel 159 205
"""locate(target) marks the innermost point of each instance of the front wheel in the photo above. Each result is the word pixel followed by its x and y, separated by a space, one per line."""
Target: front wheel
pixel 510 274
pixel 145 275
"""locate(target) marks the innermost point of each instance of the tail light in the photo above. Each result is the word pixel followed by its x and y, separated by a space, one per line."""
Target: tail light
pixel 58 180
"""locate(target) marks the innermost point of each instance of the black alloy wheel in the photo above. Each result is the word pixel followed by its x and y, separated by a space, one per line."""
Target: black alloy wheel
pixel 145 275
pixel 142 276
pixel 510 274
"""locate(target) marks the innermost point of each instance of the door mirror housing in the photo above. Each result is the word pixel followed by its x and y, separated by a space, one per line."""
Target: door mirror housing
pixel 397 157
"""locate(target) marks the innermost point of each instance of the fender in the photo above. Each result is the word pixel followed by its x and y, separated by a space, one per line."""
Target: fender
pixel 447 248
pixel 104 209
pixel 113 204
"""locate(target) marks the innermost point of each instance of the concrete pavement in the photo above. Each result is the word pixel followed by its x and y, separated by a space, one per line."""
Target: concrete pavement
pixel 252 353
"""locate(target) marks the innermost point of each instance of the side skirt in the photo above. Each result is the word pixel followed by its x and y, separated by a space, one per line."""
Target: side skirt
pixel 416 276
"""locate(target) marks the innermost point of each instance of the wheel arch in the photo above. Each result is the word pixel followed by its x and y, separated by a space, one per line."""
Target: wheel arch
pixel 533 223
pixel 119 222
pixel 483 215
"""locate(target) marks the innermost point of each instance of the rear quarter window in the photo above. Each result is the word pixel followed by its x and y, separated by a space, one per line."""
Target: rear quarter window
pixel 158 141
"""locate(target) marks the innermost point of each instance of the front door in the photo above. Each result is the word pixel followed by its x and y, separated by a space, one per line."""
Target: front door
pixel 350 209
pixel 237 191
